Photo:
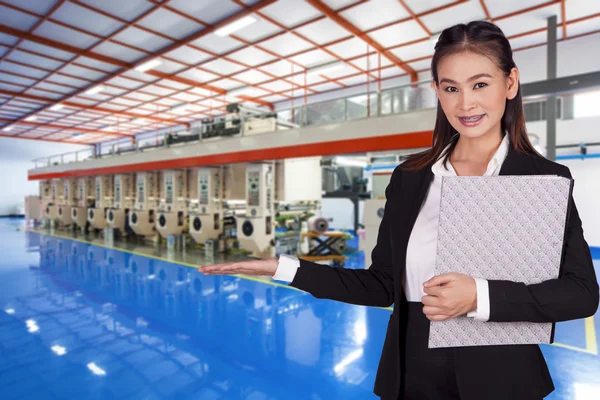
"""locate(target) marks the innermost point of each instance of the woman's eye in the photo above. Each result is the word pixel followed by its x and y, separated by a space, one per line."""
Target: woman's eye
pixel 480 85
pixel 451 89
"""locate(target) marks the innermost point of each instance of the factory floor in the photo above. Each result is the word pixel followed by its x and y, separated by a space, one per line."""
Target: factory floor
pixel 81 320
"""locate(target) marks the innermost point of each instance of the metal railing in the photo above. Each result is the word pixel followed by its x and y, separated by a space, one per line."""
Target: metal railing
pixel 397 100
pixel 64 158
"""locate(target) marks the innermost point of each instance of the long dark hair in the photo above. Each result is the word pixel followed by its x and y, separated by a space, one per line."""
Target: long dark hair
pixel 486 39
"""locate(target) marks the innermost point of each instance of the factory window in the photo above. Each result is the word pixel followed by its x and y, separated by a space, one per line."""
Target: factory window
pixel 586 105
pixel 536 111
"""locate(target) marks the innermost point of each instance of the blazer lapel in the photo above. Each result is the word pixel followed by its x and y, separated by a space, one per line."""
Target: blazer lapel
pixel 518 164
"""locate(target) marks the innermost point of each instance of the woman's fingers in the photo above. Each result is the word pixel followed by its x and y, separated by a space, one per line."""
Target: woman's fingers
pixel 266 267
pixel 246 267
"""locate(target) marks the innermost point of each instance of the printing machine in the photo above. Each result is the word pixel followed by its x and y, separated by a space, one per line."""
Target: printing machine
pixel 66 201
pixel 124 200
pixel 104 199
pixel 171 218
pixel 206 214
pixel 143 217
pixel 84 199
pixel 256 232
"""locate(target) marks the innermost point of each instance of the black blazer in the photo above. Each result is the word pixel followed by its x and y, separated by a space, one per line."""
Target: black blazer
pixel 486 372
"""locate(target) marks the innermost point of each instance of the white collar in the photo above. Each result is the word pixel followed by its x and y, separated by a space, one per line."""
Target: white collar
pixel 438 168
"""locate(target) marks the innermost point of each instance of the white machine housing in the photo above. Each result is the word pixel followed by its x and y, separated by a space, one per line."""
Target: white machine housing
pixel 84 198
pixel 206 215
pixel 234 182
pixel 298 179
pixel 372 215
pixel 256 232
pixel 104 192
pixel 142 218
pixel 173 203
pixel 124 200
pixel 66 201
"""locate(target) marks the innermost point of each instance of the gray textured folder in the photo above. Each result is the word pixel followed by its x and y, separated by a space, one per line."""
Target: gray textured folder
pixel 500 227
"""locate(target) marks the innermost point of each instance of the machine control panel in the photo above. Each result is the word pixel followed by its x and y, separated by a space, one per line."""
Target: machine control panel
pixel 140 194
pixel 254 188
pixel 203 188
pixel 98 189
pixel 118 182
pixel 169 188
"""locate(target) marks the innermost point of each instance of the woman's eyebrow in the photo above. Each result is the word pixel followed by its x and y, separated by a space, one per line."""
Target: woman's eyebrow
pixel 484 75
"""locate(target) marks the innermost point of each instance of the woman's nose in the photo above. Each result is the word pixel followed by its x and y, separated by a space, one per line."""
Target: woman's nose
pixel 467 102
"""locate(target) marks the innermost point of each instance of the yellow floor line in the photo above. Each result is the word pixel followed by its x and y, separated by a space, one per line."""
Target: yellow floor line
pixel 573 348
pixel 590 336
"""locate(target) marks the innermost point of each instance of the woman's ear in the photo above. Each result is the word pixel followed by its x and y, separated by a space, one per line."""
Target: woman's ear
pixel 512 84
pixel 434 87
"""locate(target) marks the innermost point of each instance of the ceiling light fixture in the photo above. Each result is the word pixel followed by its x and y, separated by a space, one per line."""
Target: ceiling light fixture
pixel 148 65
pixel 7 129
pixel 56 107
pixel 31 118
pixel 235 26
pixel 95 89
pixel 349 162
pixel 139 121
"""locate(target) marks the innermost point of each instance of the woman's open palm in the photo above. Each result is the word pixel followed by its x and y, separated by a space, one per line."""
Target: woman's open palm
pixel 264 267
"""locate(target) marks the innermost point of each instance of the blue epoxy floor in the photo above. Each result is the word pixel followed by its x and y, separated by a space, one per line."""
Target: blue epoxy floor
pixel 82 321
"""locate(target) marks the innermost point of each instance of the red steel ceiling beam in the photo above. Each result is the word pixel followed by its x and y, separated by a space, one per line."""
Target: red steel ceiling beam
pixel 514 50
pixel 526 10
pixel 289 56
pixel 223 56
pixel 563 13
pixel 133 23
pixel 82 106
pixel 380 27
pixel 415 17
pixel 486 11
pixel 64 128
pixel 47 140
pixel 423 14
pixel 106 59
pixel 43 19
pixel 344 23
pixel 283 93
pixel 293 31
pixel 429 57
pixel 163 51
pixel 519 49
pixel 257 101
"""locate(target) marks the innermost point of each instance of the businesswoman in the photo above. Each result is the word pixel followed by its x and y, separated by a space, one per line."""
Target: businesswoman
pixel 479 130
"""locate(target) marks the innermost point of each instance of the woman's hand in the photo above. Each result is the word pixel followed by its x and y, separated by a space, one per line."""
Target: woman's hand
pixel 448 296
pixel 265 267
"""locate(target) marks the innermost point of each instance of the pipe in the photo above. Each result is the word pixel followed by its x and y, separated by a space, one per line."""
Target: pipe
pixel 578 156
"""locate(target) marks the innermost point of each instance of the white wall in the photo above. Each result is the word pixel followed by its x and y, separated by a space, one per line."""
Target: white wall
pixel 585 172
pixel 15 161
pixel 586 193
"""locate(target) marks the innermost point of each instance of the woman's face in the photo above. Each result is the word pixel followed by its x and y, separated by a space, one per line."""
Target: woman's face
pixel 473 91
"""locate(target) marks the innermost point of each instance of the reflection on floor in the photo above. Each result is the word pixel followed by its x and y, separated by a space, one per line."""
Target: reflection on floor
pixel 85 321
